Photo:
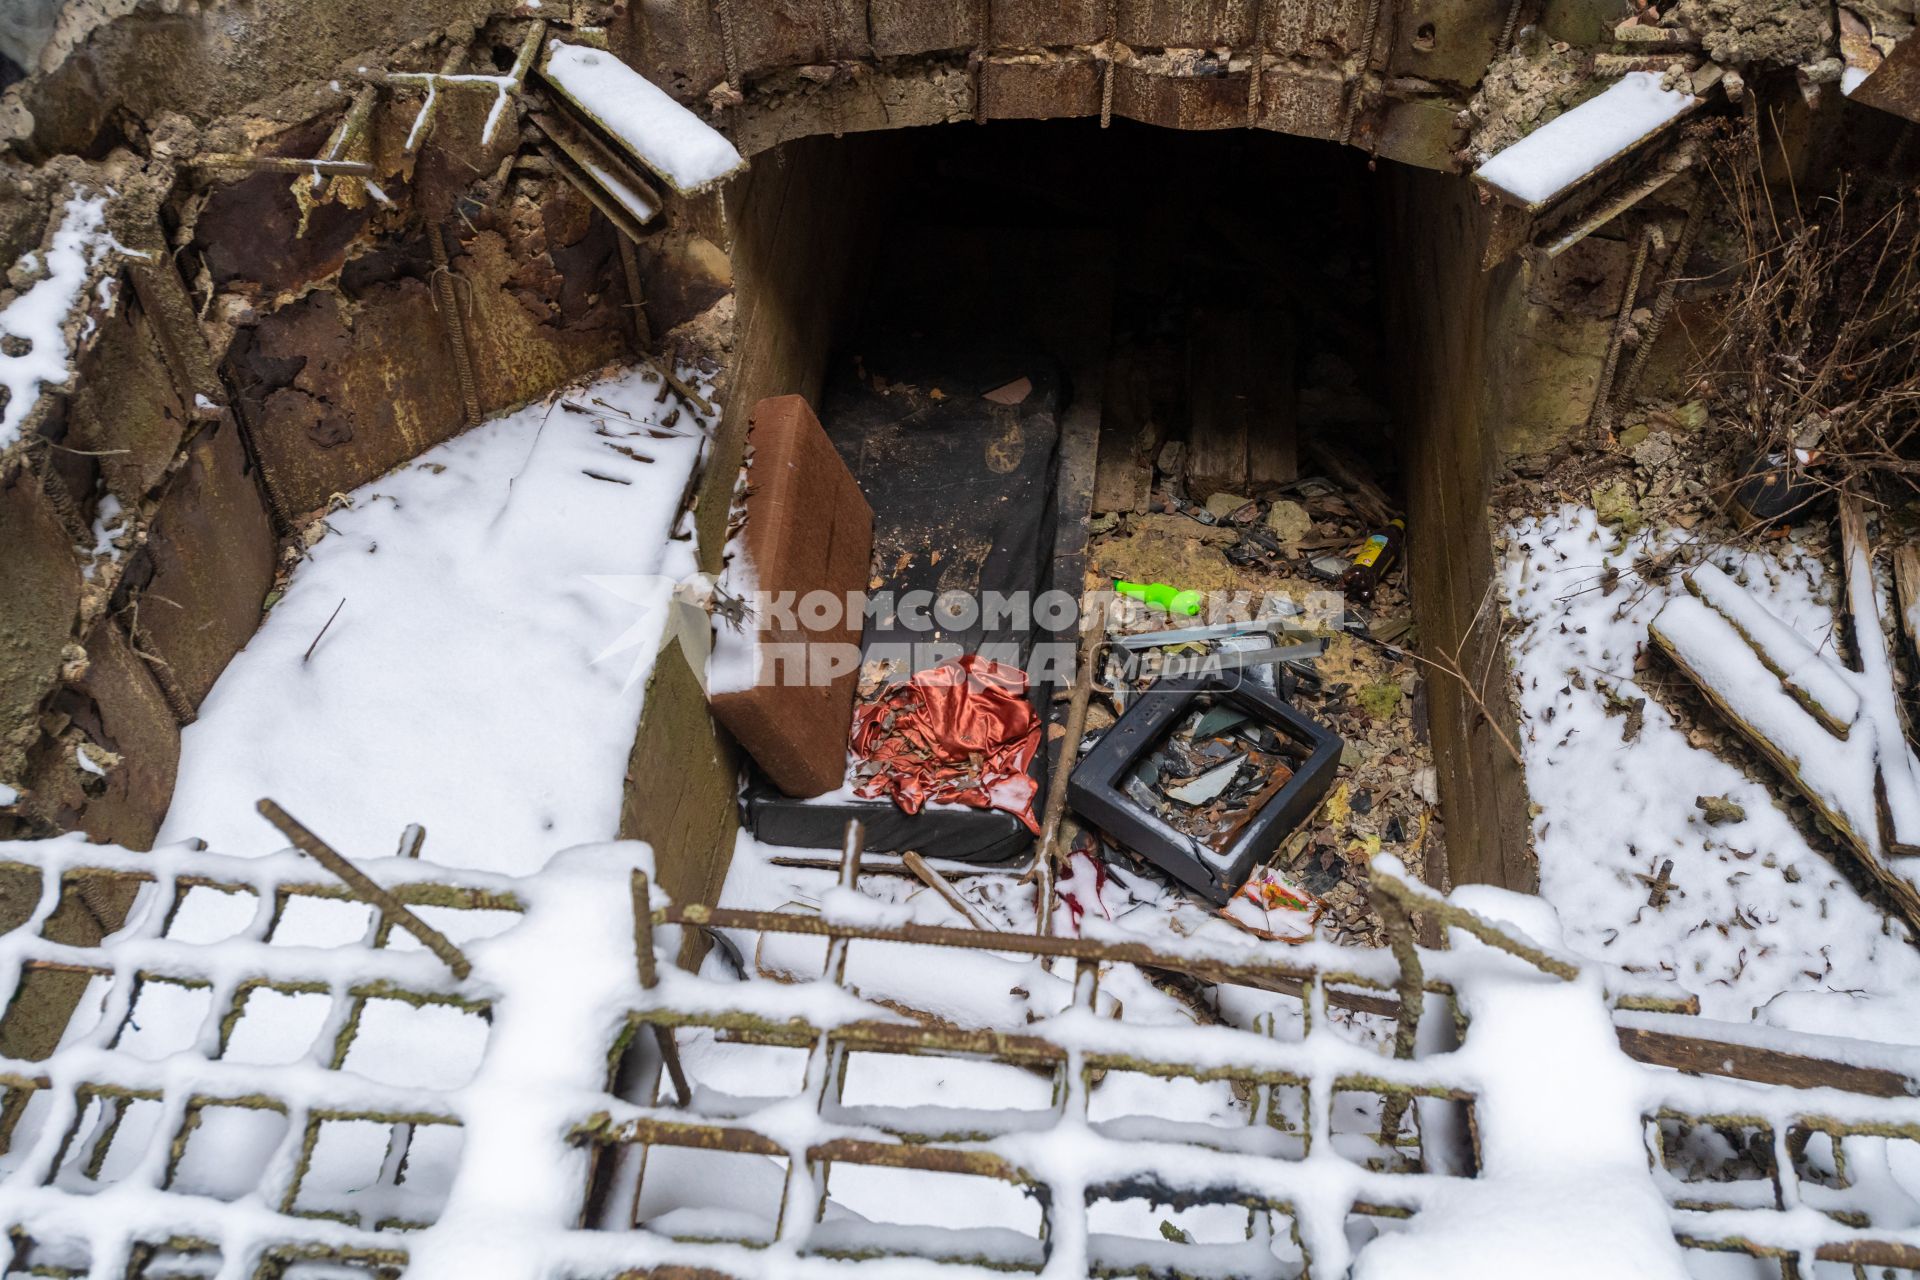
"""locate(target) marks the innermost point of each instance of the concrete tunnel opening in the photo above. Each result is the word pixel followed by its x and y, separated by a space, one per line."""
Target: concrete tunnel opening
pixel 1238 311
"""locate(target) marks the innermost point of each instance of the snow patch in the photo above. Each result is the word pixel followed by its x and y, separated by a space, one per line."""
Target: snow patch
pixel 38 316
pixel 1569 147
pixel 1759 926
pixel 683 149
pixel 109 522
pixel 467 682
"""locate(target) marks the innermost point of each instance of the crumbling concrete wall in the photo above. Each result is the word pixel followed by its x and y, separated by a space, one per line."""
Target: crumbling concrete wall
pixel 111 67
pixel 131 475
pixel 261 342
pixel 1390 78
pixel 287 338
pixel 1496 368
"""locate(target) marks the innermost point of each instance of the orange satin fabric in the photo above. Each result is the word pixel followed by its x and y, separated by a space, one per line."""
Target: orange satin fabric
pixel 962 732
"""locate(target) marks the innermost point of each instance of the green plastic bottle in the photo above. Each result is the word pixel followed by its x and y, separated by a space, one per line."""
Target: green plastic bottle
pixel 1159 593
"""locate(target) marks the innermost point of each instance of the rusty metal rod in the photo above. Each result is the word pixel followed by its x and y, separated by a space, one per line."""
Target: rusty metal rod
pixel 636 296
pixel 1600 416
pixel 693 398
pixel 366 887
pixel 347 134
pixel 284 164
pixel 423 122
pixel 950 895
pixel 870 867
pixel 1669 286
pixel 1460 918
pixel 1084 678
pixel 649 973
pixel 1264 975
pixel 449 307
pixel 643 929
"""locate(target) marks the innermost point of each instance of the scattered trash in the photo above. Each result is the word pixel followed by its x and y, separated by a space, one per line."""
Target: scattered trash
pixel 1330 568
pixel 1204 778
pixel 1375 559
pixel 1012 393
pixel 1215 631
pixel 1356 681
pixel 1169 598
pixel 959 733
pixel 1775 492
pixel 1271 906
pixel 1208 786
pixel 1084 883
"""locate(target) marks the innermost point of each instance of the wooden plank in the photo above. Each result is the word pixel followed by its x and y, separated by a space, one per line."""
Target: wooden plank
pixel 1130 436
pixel 1272 438
pixel 1242 395
pixel 1765 1066
pixel 1874 657
pixel 1906 588
pixel 1218 354
pixel 1903 894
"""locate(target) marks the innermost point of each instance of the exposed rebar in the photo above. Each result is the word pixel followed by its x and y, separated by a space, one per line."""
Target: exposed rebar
pixel 367 888
pixel 1600 416
pixel 1355 85
pixel 1663 301
pixel 456 325
pixel 636 301
pixel 284 164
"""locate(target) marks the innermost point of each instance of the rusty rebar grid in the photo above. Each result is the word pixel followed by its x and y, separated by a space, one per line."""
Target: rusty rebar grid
pixel 365 888
pixel 1262 1165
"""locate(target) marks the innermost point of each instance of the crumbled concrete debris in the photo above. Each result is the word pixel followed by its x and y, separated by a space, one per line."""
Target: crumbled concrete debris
pixel 1653 450
pixel 1225 504
pixel 1617 506
pixel 1719 810
pixel 1759 32
pixel 1534 83
pixel 1290 521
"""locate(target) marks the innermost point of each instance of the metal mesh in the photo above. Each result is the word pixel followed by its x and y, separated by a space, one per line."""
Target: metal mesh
pixel 1299 1167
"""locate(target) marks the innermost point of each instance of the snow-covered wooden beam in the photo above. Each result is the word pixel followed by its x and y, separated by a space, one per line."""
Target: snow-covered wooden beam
pixel 687 153
pixel 599 174
pixel 1834 733
pixel 1560 155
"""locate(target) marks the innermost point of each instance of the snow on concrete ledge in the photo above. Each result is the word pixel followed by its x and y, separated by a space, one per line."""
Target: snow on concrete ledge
pixel 1554 157
pixel 37 320
pixel 687 153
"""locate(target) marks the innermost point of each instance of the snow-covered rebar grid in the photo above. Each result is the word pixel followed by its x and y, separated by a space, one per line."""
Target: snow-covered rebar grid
pixel 1521 1099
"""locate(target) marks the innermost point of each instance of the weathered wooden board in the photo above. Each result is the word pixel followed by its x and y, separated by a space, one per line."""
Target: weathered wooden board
pixel 1242 387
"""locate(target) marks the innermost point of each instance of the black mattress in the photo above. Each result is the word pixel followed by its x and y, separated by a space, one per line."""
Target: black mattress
pixel 962 494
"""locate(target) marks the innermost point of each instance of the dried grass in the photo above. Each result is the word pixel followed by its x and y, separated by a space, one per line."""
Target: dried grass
pixel 1820 344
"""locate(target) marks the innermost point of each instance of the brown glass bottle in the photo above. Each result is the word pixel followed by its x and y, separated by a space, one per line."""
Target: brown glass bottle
pixel 1377 555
